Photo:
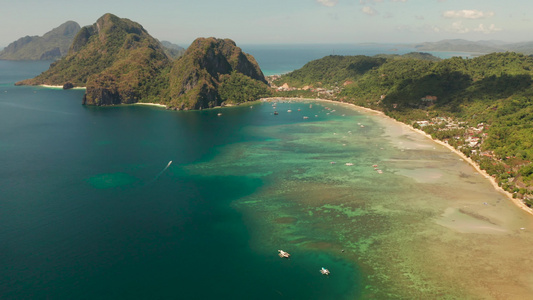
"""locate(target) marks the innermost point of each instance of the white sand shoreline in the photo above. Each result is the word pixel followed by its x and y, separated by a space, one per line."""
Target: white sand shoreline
pixel 491 179
pixel 60 87
pixel 150 104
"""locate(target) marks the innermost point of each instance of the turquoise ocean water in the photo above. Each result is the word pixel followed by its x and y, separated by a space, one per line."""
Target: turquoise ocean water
pixel 90 207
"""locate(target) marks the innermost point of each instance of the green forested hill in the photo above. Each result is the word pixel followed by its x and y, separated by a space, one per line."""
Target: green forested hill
pixel 331 70
pixel 336 69
pixel 119 62
pixel 215 71
pixel 489 99
pixel 116 59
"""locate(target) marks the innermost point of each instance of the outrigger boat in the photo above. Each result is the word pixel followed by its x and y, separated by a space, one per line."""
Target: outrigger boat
pixel 283 254
pixel 324 271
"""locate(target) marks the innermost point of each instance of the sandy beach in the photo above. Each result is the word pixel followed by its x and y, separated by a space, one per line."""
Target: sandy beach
pixel 151 104
pixel 491 179
pixel 60 87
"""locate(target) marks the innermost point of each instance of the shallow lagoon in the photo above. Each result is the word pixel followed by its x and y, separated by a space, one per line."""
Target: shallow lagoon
pixel 427 226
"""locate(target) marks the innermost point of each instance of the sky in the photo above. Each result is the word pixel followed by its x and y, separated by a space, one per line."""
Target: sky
pixel 285 21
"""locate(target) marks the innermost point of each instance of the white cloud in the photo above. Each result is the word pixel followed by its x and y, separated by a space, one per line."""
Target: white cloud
pixel 467 14
pixel 369 11
pixel 458 27
pixel 328 3
pixel 404 28
pixel 492 28
pixel 426 29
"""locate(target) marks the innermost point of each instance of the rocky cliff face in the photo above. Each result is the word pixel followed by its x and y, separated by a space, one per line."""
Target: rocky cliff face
pixel 51 46
pixel 195 77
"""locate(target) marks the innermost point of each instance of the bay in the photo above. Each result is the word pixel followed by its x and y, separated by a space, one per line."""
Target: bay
pixel 91 208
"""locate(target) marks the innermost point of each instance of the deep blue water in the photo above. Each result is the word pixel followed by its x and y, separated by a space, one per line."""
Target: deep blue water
pixel 89 211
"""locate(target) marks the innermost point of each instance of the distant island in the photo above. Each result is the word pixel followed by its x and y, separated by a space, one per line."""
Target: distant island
pixel 173 51
pixel 483 106
pixel 120 63
pixel 459 45
pixel 51 46
pixel 55 44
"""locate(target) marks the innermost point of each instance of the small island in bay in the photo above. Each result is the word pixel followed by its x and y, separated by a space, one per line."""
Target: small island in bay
pixel 454 45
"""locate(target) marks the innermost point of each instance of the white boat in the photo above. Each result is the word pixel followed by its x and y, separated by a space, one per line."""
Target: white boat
pixel 283 254
pixel 289 110
pixel 349 164
pixel 324 271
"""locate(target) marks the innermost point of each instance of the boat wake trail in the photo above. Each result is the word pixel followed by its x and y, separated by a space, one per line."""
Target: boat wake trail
pixel 162 171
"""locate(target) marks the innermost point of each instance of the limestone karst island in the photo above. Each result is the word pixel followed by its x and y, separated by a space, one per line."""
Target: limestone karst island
pixel 120 63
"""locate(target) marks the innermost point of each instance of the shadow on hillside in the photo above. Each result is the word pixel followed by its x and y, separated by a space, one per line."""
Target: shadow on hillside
pixel 445 86
pixel 453 89
pixel 498 87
